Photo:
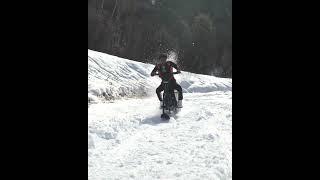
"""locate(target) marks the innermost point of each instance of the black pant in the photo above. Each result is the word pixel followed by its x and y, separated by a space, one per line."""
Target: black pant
pixel 172 85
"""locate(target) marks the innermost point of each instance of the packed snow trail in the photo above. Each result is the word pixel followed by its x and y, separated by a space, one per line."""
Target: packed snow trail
pixel 128 140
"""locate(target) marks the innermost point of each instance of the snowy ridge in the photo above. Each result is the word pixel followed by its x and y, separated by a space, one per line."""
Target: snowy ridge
pixel 111 77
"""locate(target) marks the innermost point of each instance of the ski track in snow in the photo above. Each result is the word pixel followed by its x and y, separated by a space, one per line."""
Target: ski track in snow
pixel 128 140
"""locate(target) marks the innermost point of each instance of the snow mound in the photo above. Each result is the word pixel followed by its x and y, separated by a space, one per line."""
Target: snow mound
pixel 198 83
pixel 111 77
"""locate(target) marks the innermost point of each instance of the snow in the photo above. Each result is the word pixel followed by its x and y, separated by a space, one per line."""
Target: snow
pixel 128 140
pixel 111 77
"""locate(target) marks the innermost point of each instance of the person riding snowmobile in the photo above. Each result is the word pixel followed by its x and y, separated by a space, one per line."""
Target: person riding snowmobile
pixel 165 70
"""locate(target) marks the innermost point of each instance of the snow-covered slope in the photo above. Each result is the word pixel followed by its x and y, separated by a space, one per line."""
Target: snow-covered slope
pixel 128 140
pixel 111 77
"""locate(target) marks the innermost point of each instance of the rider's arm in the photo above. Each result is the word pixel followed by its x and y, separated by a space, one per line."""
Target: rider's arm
pixel 155 69
pixel 174 65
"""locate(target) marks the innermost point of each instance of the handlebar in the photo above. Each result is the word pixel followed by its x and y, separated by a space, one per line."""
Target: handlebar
pixel 172 73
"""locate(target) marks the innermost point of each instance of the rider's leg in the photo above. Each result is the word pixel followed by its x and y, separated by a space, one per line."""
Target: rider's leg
pixel 180 96
pixel 158 91
pixel 179 89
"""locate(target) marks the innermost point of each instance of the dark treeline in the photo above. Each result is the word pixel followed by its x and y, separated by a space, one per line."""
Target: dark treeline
pixel 199 32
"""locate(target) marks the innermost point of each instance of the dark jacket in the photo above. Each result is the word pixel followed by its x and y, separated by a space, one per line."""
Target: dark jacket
pixel 165 70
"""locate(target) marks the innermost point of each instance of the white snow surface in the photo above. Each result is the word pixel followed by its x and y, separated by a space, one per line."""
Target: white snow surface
pixel 128 140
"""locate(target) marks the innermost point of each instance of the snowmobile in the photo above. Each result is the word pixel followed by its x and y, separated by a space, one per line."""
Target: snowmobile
pixel 169 97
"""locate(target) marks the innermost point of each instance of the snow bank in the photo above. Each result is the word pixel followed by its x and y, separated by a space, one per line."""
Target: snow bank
pixel 111 77
pixel 198 83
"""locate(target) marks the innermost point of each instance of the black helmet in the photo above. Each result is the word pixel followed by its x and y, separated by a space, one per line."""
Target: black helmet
pixel 163 56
